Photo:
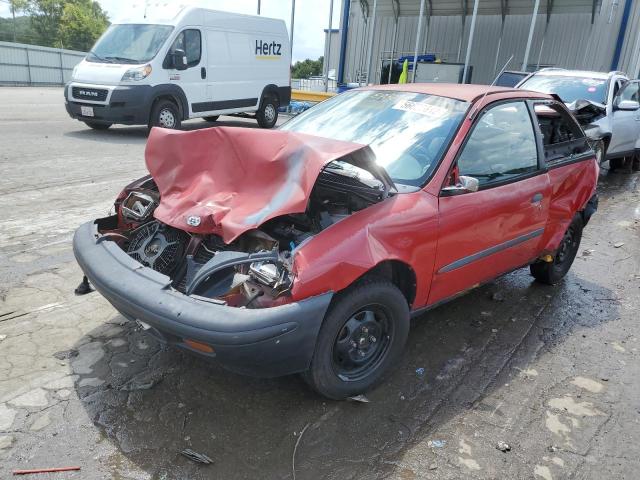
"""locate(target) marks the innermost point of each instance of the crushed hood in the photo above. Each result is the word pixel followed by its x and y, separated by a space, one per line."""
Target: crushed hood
pixel 228 180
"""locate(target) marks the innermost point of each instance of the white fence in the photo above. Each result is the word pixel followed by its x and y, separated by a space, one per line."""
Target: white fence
pixel 22 64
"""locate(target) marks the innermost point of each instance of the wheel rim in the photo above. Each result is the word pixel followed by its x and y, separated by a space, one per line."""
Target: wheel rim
pixel 566 246
pixel 362 343
pixel 269 113
pixel 166 119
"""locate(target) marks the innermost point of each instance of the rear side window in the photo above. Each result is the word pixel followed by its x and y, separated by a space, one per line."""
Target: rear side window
pixel 502 145
pixel 561 136
pixel 190 41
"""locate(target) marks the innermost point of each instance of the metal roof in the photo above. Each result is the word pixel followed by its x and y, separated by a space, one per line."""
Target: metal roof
pixel 485 7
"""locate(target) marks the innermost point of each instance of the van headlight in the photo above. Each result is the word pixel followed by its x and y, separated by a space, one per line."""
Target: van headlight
pixel 137 74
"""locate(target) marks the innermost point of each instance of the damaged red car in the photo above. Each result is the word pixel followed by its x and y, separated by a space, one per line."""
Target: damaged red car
pixel 308 249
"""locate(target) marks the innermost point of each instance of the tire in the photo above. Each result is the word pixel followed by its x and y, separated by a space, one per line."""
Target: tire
pixel 165 114
pixel 97 125
pixel 267 115
pixel 552 272
pixel 616 164
pixel 213 118
pixel 363 334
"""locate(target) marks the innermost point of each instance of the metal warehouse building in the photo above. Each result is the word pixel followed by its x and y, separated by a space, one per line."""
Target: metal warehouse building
pixel 582 34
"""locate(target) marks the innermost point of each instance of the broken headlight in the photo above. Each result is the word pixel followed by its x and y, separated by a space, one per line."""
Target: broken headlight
pixel 274 275
pixel 137 207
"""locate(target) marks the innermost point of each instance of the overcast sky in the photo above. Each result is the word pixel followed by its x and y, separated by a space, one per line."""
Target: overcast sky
pixel 312 17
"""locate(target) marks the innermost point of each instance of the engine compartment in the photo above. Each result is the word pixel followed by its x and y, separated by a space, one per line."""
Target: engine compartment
pixel 255 269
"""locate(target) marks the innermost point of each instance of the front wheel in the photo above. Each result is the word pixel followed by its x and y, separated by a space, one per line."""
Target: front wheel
pixel 97 125
pixel 363 334
pixel 552 272
pixel 267 116
pixel 165 114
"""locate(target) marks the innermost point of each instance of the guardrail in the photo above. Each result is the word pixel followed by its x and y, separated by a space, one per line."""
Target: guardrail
pixel 23 64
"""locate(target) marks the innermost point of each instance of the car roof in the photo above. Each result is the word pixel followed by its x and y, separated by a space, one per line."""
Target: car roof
pixel 561 72
pixel 464 92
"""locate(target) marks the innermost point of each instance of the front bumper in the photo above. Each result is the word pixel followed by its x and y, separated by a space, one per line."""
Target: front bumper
pixel 258 342
pixel 128 105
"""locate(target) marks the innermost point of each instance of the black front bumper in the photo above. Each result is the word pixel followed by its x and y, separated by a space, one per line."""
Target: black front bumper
pixel 128 105
pixel 259 342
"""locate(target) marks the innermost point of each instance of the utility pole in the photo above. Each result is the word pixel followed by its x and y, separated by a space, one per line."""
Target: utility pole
pixel 258 7
pixel 13 14
pixel 328 48
pixel 293 19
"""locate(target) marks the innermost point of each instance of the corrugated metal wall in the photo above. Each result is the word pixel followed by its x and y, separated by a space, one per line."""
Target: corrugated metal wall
pixel 571 41
pixel 34 65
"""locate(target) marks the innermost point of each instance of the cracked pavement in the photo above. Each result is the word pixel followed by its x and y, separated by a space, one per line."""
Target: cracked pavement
pixel 551 371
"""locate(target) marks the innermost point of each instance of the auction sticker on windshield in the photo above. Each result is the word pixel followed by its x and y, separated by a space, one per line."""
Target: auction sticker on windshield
pixel 420 107
pixel 86 111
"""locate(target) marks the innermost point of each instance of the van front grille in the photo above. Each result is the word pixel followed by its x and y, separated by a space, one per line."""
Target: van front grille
pixel 95 94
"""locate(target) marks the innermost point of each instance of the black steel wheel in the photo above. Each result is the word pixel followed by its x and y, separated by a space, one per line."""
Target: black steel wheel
pixel 165 114
pixel 363 335
pixel 267 115
pixel 552 272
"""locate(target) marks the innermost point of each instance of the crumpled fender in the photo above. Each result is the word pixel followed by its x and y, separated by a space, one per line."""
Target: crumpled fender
pixel 401 228
pixel 228 180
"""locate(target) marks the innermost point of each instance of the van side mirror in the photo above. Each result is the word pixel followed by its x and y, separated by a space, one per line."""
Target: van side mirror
pixel 627 105
pixel 464 185
pixel 178 59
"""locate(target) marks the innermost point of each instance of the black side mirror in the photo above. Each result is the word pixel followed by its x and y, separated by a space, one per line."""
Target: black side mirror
pixel 179 59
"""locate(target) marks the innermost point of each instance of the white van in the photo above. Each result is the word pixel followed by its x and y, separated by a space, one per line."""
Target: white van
pixel 167 67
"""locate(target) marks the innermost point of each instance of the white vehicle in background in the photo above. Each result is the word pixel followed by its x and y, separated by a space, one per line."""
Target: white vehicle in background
pixel 171 66
pixel 606 105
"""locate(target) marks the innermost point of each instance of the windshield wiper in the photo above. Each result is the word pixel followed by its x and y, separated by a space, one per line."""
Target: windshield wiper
pixel 122 59
pixel 102 59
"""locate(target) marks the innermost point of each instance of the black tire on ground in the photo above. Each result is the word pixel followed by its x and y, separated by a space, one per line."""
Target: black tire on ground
pixel 635 165
pixel 552 272
pixel 213 118
pixel 363 334
pixel 97 125
pixel 616 164
pixel 267 115
pixel 165 114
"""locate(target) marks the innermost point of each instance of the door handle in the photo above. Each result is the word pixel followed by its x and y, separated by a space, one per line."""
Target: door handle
pixel 537 198
pixel 203 73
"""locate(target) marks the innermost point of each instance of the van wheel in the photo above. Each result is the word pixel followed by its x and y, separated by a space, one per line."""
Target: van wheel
pixel 212 119
pixel 363 334
pixel 267 116
pixel 552 272
pixel 98 126
pixel 165 114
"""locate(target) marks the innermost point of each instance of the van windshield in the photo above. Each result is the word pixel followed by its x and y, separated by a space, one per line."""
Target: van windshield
pixel 129 43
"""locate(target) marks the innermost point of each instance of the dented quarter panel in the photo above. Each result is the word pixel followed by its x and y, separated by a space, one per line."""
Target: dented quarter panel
pixel 403 228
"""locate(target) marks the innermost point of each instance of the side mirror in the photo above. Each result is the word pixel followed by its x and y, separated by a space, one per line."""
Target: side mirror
pixel 465 185
pixel 179 59
pixel 627 105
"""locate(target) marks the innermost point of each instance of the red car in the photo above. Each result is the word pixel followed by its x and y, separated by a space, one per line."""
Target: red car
pixel 307 249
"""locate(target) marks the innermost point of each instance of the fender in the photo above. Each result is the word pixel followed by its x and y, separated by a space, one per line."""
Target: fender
pixel 173 90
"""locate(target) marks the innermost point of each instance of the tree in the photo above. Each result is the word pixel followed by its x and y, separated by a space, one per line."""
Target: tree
pixel 45 19
pixel 82 22
pixel 307 68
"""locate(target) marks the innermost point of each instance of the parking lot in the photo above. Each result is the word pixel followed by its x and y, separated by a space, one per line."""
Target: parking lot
pixel 553 372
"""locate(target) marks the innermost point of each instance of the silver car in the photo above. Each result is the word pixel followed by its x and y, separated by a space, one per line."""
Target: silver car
pixel 606 105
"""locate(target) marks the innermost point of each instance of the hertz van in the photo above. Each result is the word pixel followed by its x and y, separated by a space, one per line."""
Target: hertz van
pixel 164 68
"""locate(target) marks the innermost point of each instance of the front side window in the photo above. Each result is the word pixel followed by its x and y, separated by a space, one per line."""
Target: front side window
pixel 190 42
pixel 129 43
pixel 569 89
pixel 631 92
pixel 408 132
pixel 502 145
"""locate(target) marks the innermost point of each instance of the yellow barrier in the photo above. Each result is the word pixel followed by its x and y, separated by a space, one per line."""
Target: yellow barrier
pixel 307 96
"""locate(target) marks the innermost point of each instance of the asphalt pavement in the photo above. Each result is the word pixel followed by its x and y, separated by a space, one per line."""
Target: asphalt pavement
pixel 514 380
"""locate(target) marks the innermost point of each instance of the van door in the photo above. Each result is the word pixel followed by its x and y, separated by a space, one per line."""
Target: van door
pixel 192 80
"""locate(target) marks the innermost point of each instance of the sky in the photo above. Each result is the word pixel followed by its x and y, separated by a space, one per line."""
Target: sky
pixel 312 17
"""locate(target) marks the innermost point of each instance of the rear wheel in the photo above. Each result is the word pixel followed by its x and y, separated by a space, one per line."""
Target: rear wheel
pixel 97 125
pixel 267 115
pixel 165 114
pixel 212 119
pixel 552 272
pixel 363 335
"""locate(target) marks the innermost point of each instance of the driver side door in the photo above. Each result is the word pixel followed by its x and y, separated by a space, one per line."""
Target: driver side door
pixel 499 227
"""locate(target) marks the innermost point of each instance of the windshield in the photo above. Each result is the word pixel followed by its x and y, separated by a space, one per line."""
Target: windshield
pixel 569 89
pixel 408 132
pixel 129 43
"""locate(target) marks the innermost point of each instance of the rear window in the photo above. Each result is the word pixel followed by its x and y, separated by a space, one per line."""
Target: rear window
pixel 569 89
